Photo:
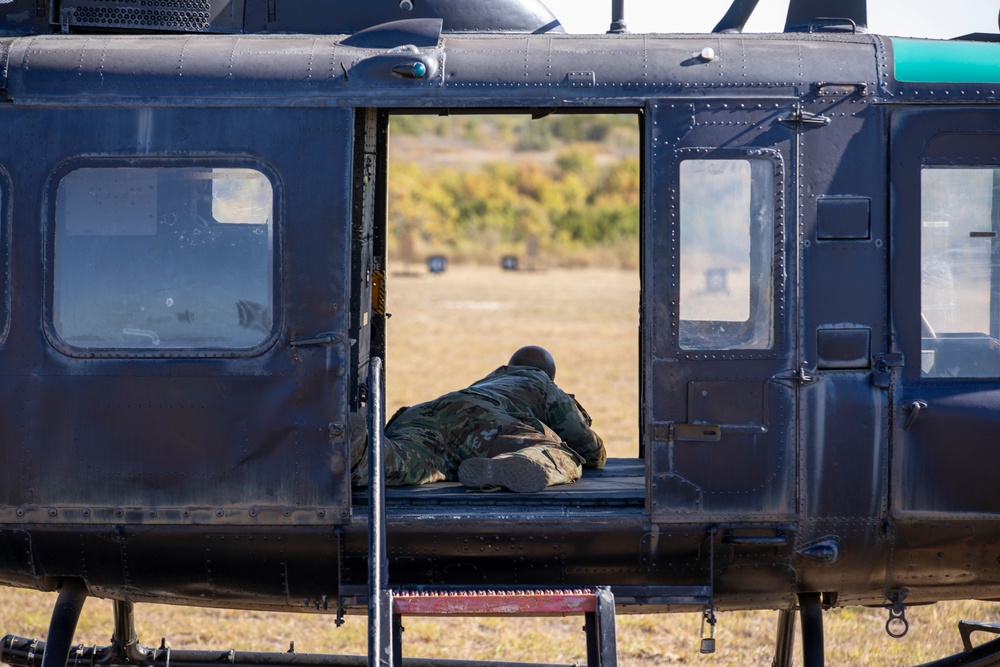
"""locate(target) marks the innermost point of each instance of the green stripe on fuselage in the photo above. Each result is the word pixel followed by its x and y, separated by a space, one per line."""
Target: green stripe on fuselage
pixel 930 61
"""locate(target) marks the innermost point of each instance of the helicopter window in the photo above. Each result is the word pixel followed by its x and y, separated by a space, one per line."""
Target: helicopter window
pixel 163 258
pixel 726 231
pixel 960 293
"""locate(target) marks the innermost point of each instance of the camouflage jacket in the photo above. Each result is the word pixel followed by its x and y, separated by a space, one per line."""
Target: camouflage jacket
pixel 513 405
pixel 527 394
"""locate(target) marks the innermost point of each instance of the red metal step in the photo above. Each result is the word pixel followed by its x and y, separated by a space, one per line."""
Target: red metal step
pixel 494 602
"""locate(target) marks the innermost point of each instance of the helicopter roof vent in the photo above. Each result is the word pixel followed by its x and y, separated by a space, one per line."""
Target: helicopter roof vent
pixel 316 17
pixel 149 15
pixel 421 33
pixel 343 17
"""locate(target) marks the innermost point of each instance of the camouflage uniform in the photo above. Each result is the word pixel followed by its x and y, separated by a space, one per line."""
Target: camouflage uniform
pixel 513 409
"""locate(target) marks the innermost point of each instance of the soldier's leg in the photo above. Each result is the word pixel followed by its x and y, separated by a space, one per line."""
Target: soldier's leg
pixel 411 452
pixel 512 435
pixel 491 433
pixel 405 463
pixel 358 435
pixel 523 460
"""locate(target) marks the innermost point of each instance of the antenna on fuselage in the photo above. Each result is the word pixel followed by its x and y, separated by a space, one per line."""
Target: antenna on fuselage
pixel 617 18
pixel 807 15
pixel 737 16
pixel 803 15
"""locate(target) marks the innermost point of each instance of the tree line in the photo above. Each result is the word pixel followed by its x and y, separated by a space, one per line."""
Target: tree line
pixel 584 198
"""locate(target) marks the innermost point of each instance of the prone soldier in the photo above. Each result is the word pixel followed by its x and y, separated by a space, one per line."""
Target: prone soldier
pixel 514 429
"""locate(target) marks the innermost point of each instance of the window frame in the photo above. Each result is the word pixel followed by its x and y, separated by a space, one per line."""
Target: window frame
pixel 777 270
pixel 937 334
pixel 923 136
pixel 51 189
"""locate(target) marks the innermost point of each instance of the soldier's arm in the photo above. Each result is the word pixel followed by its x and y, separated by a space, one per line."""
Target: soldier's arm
pixel 570 421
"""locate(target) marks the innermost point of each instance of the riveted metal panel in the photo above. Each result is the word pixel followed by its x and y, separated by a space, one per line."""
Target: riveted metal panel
pixel 183 437
pixel 944 432
pixel 731 388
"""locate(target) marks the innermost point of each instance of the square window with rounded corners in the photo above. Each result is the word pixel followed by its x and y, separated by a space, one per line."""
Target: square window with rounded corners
pixel 163 258
pixel 726 211
pixel 959 260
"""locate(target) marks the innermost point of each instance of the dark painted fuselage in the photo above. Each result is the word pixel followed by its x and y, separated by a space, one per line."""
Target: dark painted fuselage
pixel 184 439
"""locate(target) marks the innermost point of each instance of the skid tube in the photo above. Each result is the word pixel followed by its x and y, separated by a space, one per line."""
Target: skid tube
pixel 987 653
pixel 23 652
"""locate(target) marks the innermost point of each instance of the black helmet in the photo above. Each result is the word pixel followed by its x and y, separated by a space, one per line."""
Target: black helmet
pixel 536 357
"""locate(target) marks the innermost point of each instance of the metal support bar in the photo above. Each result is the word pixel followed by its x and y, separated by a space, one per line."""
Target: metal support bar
pixel 62 625
pixel 786 637
pixel 379 596
pixel 966 628
pixel 811 612
pixel 124 632
pixel 737 16
pixel 339 532
pixel 602 644
pixel 397 641
pixel 618 24
pixel 124 640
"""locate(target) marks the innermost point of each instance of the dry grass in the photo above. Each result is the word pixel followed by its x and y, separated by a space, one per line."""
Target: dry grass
pixel 448 330
pixel 854 636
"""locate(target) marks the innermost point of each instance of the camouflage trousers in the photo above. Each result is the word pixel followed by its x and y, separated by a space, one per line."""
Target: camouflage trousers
pixel 426 443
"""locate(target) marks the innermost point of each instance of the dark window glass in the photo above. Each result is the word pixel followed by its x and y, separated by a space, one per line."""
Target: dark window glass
pixel 164 258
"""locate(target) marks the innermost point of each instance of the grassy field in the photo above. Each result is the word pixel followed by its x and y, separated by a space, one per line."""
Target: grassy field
pixel 446 331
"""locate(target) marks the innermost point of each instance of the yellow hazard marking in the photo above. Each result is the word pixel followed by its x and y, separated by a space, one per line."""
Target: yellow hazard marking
pixel 378 292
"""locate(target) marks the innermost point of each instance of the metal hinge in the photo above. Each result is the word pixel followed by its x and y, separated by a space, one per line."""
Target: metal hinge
pixel 800 118
pixel 797 376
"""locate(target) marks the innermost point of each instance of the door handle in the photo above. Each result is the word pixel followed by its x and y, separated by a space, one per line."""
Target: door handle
pixel 913 409
pixel 320 339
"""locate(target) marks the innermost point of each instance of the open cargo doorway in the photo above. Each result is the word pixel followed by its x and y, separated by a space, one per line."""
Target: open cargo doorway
pixel 508 230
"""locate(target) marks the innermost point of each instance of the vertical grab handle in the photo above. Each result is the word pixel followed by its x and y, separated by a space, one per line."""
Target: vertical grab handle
pixel 379 595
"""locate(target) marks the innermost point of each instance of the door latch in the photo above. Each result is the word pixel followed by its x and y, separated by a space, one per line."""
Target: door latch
pixel 882 375
pixel 673 432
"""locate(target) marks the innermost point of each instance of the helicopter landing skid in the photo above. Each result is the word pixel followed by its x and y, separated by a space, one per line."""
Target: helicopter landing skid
pixel 125 650
pixel 987 653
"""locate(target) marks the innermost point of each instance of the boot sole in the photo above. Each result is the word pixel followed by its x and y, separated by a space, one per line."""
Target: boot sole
pixel 515 473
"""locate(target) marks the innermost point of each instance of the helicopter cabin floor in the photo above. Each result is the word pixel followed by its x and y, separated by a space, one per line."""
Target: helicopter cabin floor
pixel 621 483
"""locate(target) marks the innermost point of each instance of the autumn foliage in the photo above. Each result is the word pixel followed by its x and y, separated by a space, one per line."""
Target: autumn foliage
pixel 571 190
